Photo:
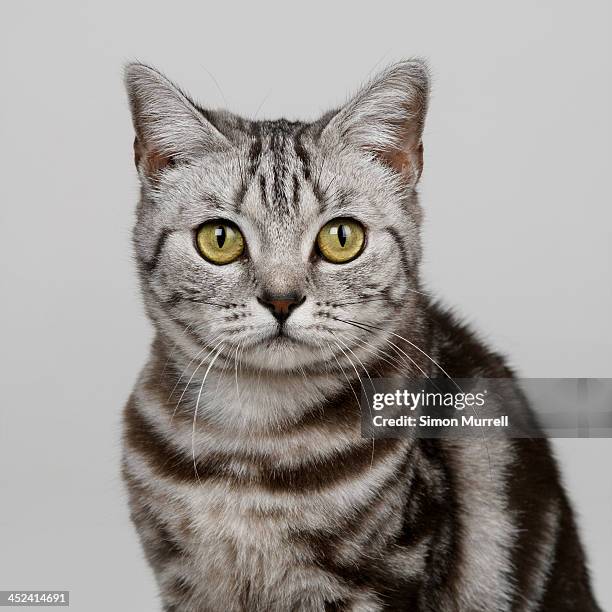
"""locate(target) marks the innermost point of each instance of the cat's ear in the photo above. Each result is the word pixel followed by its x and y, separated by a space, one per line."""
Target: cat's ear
pixel 387 116
pixel 169 126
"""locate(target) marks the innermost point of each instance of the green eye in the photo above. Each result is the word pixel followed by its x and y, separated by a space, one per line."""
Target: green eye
pixel 341 240
pixel 220 242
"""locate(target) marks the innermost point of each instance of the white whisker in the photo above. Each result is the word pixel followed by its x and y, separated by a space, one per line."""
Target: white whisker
pixel 197 406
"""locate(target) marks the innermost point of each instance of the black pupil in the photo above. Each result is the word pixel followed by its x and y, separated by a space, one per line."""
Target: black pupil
pixel 343 234
pixel 221 235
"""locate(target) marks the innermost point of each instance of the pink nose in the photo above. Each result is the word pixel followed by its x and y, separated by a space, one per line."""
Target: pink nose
pixel 281 306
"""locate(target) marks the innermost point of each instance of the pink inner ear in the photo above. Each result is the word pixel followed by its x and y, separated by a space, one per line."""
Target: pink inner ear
pixel 153 161
pixel 407 161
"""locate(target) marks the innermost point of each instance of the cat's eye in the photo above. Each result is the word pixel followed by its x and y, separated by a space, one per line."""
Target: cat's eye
pixel 341 240
pixel 220 242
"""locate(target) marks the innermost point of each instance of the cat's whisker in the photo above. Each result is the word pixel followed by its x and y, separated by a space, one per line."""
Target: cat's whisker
pixel 348 380
pixel 362 385
pixel 214 80
pixel 226 362
pixel 364 301
pixel 401 360
pixel 424 353
pixel 365 347
pixel 197 406
pixel 192 376
pixel 348 348
pixel 374 298
pixel 365 327
pixel 172 351
pixel 236 373
pixel 378 353
pixel 263 101
pixel 216 304
pixel 195 301
pixel 398 349
pixel 178 380
pixel 393 345
pixel 331 182
pixel 358 378
pixel 425 293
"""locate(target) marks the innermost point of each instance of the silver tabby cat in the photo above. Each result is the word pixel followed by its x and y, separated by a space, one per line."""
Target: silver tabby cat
pixel 279 263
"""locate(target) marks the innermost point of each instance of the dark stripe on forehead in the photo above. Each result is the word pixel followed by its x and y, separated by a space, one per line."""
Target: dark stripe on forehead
pixel 331 196
pixel 296 190
pixel 262 189
pixel 320 192
pixel 302 154
pixel 279 167
pixel 248 170
pixel 240 193
pixel 279 172
pixel 255 154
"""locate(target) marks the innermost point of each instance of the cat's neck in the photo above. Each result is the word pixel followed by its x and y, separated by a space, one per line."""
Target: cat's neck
pixel 234 395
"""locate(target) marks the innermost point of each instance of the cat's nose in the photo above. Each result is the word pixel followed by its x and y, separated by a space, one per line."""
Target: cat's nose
pixel 281 306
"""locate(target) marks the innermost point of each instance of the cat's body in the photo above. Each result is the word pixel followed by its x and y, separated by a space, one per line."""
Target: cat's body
pixel 250 484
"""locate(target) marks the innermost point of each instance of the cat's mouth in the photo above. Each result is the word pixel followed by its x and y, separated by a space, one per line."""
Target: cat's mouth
pixel 281 337
pixel 282 351
pixel 282 347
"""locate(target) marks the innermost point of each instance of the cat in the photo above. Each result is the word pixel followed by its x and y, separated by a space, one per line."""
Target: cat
pixel 279 261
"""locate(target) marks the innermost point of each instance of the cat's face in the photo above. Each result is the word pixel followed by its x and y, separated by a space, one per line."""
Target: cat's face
pixel 284 244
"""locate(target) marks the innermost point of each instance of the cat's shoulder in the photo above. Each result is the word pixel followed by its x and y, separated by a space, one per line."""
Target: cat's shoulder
pixel 460 348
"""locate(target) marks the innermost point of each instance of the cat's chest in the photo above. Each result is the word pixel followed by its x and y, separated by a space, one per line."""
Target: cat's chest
pixel 250 544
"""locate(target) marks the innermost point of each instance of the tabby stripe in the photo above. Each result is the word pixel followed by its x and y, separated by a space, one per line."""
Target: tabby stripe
pixel 398 591
pixel 325 439
pixel 445 561
pixel 402 249
pixel 328 542
pixel 255 155
pixel 169 462
pixel 338 414
pixel 239 195
pixel 296 190
pixel 302 155
pixel 162 546
pixel 427 499
pixel 320 195
pixel 150 265
pixel 262 189
pixel 279 169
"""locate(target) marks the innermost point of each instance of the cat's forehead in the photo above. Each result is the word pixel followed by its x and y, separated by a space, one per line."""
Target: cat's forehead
pixel 278 186
pixel 280 178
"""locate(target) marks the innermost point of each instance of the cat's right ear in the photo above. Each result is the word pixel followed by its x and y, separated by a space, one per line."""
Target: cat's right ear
pixel 169 127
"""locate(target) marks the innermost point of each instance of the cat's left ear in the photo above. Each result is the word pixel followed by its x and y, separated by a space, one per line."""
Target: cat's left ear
pixel 387 116
pixel 169 126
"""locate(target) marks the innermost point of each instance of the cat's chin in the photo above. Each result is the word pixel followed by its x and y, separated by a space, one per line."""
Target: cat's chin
pixel 283 353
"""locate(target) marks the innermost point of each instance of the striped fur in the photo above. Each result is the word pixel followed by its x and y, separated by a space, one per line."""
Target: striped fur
pixel 250 485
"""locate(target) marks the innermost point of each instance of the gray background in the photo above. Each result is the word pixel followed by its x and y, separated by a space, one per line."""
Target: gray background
pixel 517 234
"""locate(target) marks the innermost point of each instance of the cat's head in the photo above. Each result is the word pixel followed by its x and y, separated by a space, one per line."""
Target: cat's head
pixel 288 243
